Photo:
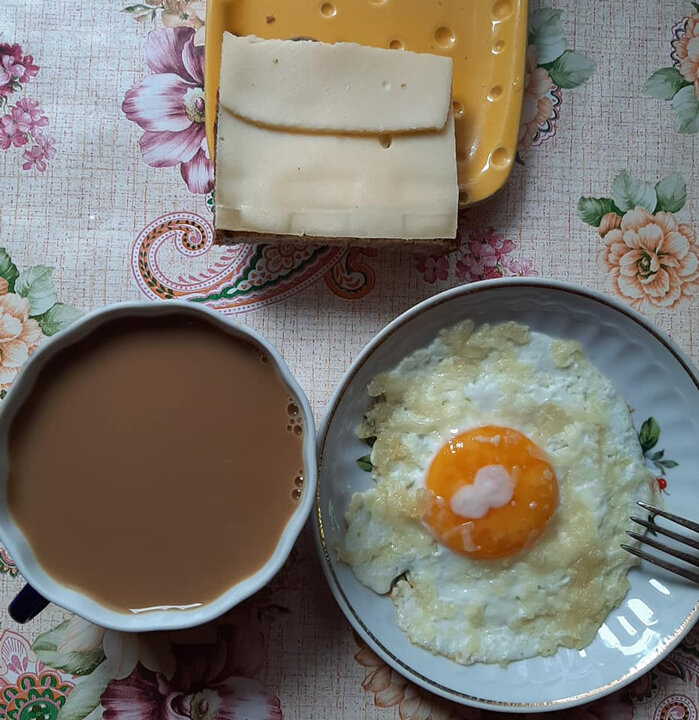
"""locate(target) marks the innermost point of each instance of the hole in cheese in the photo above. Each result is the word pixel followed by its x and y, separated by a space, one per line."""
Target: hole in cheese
pixel 328 9
pixel 396 45
pixel 385 141
pixel 458 109
pixel 499 46
pixel 444 37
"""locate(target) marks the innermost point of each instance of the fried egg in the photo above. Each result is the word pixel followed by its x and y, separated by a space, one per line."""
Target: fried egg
pixel 505 467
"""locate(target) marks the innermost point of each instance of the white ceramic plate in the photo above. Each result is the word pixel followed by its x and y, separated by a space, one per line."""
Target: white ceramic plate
pixel 655 379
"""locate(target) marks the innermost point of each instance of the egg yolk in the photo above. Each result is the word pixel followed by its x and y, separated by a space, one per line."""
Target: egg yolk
pixel 493 491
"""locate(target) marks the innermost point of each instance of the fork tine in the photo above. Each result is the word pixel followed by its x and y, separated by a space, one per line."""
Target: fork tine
pixel 675 518
pixel 668 533
pixel 689 574
pixel 645 540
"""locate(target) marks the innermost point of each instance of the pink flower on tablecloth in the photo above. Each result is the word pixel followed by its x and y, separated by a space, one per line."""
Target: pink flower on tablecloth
pixel 485 257
pixel 432 267
pixel 207 684
pixel 687 51
pixel 169 106
pixel 11 132
pixel 15 69
pixel 652 260
pixel 29 116
pixel 537 106
pixel 518 268
pixel 39 153
pixel 19 336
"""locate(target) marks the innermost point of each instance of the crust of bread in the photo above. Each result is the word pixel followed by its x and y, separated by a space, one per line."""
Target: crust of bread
pixel 234 237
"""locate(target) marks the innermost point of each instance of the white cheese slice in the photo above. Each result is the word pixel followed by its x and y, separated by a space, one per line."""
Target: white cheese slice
pixel 343 87
pixel 344 186
pixel 292 175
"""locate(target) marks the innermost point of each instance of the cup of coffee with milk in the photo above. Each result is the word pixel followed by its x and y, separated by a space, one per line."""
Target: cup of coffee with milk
pixel 158 463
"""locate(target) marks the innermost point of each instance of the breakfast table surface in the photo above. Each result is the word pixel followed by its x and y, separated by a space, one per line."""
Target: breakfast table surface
pixel 106 196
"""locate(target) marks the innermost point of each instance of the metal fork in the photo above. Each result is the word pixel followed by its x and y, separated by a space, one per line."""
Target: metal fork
pixel 692 542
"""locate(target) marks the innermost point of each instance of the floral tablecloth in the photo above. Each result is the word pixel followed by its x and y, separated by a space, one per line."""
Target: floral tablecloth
pixel 105 195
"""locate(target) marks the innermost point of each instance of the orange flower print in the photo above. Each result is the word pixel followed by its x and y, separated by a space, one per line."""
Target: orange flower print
pixel 19 336
pixel 652 260
pixel 687 51
pixel 537 106
pixel 391 689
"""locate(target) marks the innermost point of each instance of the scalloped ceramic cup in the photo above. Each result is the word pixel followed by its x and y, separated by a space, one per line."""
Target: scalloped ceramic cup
pixel 85 606
pixel 654 377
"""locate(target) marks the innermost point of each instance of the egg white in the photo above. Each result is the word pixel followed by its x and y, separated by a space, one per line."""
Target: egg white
pixel 556 593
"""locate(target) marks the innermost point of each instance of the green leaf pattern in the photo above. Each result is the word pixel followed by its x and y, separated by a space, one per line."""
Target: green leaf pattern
pixel 648 437
pixel 8 270
pixel 36 284
pixel 57 318
pixel 670 85
pixel 668 195
pixel 49 649
pixel 628 193
pixel 546 34
pixel 592 210
pixel 663 84
pixel 686 107
pixel 567 68
pixel 570 69
pixel 365 463
pixel 671 193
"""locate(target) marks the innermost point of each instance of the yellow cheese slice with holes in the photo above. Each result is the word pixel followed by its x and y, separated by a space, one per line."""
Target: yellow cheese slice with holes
pixel 316 86
pixel 279 174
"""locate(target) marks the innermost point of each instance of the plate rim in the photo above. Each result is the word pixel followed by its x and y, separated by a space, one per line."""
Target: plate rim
pixel 319 535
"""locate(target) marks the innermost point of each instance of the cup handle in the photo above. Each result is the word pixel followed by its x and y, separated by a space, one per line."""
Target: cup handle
pixel 26 605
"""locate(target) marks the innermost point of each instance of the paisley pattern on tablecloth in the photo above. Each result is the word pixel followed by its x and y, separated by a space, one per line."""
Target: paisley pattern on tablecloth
pixel 174 257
